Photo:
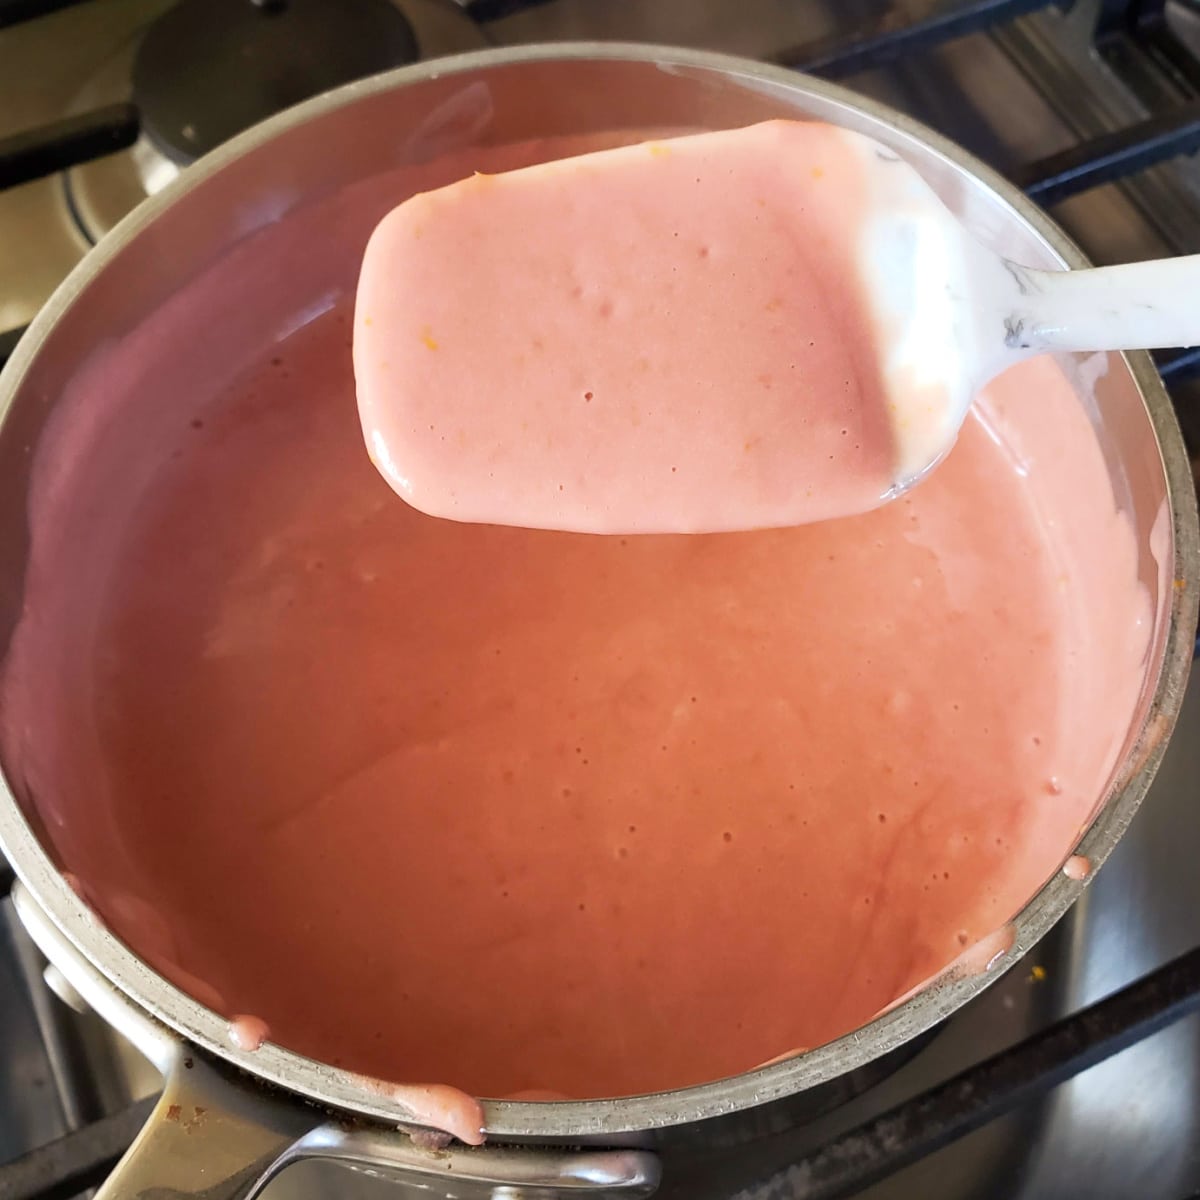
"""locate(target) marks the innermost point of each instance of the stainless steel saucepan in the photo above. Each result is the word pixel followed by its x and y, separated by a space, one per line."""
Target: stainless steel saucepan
pixel 229 1119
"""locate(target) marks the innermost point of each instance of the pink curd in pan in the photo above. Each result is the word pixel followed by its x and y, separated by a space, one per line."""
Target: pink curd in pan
pixel 533 812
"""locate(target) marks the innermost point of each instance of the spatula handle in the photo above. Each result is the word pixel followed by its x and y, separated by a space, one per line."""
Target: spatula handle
pixel 1140 306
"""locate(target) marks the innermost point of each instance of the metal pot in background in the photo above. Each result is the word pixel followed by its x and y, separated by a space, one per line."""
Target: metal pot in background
pixel 228 1118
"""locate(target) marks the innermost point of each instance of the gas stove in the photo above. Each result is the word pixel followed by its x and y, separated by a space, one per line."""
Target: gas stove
pixel 1078 1073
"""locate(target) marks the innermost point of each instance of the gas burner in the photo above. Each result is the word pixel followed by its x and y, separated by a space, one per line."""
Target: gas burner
pixel 205 70
pixel 208 69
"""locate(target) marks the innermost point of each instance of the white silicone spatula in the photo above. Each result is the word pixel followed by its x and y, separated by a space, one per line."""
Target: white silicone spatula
pixel 752 327
pixel 951 314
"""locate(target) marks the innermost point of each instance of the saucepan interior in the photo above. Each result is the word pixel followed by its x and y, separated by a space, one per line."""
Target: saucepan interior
pixel 263 197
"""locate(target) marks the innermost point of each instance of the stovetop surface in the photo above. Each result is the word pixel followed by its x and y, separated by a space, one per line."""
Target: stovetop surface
pixel 1127 1128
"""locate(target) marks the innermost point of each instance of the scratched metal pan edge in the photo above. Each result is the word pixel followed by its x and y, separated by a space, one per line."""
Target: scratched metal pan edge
pixel 273 170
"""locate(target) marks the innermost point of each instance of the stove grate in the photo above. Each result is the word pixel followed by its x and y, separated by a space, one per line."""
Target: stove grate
pixel 895 35
pixel 35 153
pixel 988 1090
pixel 13 12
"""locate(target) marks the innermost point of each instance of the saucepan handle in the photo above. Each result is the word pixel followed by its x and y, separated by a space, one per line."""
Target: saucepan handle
pixel 207 1137
pixel 215 1135
pixel 211 1134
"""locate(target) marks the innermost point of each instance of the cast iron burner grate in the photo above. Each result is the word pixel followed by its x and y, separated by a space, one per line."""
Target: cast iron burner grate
pixel 987 1090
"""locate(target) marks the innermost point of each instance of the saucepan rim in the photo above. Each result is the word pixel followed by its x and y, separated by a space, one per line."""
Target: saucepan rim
pixel 592 1119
